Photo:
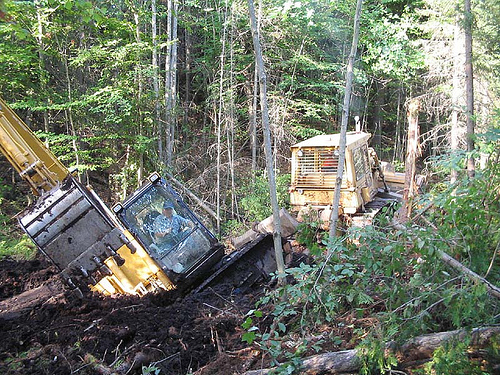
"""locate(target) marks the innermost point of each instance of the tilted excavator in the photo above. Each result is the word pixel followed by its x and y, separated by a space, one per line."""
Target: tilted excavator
pixel 114 250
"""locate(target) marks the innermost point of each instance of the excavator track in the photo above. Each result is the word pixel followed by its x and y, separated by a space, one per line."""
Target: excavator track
pixel 373 208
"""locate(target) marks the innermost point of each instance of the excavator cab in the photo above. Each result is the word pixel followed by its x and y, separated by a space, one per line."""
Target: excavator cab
pixel 169 231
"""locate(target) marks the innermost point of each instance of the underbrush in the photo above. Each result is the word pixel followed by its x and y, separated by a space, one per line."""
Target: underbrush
pixel 386 283
pixel 13 243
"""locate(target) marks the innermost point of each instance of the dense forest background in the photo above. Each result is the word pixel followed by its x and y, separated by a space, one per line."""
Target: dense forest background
pixel 122 88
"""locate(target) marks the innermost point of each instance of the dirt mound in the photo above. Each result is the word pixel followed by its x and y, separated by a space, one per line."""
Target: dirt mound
pixel 102 335
pixel 19 276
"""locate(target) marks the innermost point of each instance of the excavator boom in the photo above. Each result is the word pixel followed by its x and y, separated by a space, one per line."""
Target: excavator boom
pixel 32 160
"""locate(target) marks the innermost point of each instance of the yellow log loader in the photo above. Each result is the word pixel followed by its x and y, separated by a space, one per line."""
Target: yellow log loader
pixel 365 185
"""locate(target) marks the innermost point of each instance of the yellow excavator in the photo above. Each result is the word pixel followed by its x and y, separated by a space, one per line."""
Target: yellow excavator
pixel 109 250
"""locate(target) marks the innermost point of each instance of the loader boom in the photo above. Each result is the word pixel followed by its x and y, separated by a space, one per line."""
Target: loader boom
pixel 32 160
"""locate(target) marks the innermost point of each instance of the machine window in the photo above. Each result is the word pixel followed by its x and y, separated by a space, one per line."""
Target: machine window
pixel 169 231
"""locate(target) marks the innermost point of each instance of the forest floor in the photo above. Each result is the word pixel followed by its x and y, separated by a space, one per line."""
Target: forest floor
pixel 200 333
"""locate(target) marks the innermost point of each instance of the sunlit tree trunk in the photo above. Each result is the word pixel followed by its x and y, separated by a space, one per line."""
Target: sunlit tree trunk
pixel 156 86
pixel 140 170
pixel 455 99
pixel 267 141
pixel 469 87
pixel 171 79
pixel 343 127
pixel 412 153
pixel 398 141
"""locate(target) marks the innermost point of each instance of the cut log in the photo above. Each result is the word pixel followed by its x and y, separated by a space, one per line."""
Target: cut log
pixel 288 227
pixel 418 348
pixel 20 304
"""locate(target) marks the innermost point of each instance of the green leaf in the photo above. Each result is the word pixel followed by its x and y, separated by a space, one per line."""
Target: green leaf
pixel 247 323
pixel 282 327
pixel 248 337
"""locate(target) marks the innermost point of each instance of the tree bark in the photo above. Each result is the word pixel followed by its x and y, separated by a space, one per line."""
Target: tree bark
pixel 469 88
pixel 377 116
pixel 156 86
pixel 398 141
pixel 412 152
pixel 267 141
pixel 171 80
pixel 455 99
pixel 345 117
pixel 140 169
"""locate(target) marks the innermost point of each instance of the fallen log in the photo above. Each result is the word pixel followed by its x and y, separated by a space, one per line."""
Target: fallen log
pixel 416 349
pixel 50 292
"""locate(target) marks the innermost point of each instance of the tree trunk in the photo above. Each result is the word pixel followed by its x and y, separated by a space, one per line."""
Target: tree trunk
pixel 397 141
pixel 187 98
pixel 416 349
pixel 171 80
pixel 140 169
pixel 412 153
pixel 377 117
pixel 156 86
pixel 454 141
pixel 345 117
pixel 469 88
pixel 69 115
pixel 267 141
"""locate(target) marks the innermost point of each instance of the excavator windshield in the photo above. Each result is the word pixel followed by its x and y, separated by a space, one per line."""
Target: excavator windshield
pixel 170 231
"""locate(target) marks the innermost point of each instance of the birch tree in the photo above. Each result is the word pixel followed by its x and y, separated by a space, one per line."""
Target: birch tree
pixel 259 61
pixel 345 116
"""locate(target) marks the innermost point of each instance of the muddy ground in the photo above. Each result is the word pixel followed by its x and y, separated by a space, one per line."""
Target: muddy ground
pixel 98 334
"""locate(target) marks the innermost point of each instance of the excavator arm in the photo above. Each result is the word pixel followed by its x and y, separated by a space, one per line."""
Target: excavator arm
pixel 32 160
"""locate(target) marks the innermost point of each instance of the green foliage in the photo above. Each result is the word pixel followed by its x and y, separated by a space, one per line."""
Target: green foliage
pixel 256 198
pixel 12 242
pixel 150 370
pixel 374 359
pixel 397 277
pixel 22 248
pixel 453 358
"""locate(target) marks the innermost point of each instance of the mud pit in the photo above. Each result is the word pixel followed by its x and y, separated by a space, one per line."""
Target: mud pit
pixel 98 335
